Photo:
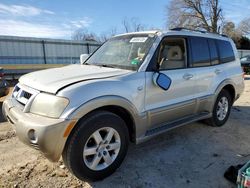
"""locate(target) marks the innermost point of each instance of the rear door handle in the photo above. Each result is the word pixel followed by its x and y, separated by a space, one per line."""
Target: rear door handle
pixel 187 76
pixel 217 71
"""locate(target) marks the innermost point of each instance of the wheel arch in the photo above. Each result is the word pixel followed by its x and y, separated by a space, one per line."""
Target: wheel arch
pixel 117 105
pixel 231 90
pixel 229 86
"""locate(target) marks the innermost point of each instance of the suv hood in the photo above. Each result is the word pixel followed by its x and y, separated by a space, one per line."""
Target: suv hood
pixel 51 80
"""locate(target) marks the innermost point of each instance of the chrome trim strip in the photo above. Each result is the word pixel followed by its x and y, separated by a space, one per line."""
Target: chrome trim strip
pixel 164 128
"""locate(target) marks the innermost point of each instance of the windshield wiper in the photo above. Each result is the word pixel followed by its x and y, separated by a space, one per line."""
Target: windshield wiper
pixel 106 65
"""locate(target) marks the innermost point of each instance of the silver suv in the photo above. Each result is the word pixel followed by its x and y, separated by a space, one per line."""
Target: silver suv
pixel 134 87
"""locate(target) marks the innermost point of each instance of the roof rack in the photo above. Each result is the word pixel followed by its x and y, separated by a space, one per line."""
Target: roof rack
pixel 195 30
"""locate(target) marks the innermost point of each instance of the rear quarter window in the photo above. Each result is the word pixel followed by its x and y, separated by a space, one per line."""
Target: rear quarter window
pixel 214 56
pixel 225 51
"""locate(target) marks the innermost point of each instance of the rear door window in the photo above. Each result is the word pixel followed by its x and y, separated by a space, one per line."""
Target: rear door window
pixel 225 51
pixel 214 57
pixel 200 52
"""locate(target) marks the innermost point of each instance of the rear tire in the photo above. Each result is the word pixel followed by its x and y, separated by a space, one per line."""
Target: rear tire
pixel 97 146
pixel 221 110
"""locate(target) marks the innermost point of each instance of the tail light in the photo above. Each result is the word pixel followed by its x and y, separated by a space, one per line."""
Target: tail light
pixel 243 72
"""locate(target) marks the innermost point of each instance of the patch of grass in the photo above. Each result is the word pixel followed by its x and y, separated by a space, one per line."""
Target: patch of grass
pixel 247 70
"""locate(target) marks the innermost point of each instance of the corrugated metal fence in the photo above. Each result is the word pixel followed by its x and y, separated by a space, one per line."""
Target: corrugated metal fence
pixel 243 53
pixel 20 55
pixel 23 50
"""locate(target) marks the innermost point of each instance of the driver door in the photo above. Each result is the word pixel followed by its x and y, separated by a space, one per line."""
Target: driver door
pixel 166 106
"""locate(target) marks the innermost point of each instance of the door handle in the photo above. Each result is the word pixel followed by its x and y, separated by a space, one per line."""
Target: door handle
pixel 187 76
pixel 217 71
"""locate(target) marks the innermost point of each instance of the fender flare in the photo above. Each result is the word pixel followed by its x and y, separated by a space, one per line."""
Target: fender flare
pixel 110 100
pixel 222 85
pixel 218 90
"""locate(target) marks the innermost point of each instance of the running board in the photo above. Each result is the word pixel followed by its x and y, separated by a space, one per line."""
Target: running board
pixel 172 125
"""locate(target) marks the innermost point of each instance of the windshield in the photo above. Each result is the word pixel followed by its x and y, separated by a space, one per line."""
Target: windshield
pixel 125 52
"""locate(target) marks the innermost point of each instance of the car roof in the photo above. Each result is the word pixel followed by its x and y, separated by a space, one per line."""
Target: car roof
pixel 184 32
pixel 138 33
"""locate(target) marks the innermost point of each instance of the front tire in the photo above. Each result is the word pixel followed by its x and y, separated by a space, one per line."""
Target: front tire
pixel 97 146
pixel 221 110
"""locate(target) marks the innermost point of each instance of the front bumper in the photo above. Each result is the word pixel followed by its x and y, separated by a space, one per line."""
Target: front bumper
pixel 42 133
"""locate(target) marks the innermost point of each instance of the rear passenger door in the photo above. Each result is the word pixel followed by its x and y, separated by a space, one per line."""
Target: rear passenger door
pixel 203 54
pixel 208 57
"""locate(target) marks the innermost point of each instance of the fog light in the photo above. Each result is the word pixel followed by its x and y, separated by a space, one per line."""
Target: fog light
pixel 32 136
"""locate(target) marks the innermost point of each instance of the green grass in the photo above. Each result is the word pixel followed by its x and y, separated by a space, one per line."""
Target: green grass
pixel 247 70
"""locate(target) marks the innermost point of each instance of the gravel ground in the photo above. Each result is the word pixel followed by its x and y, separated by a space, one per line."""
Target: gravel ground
pixel 195 155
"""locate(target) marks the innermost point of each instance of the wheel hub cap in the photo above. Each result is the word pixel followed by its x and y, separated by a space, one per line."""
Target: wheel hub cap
pixel 222 108
pixel 101 148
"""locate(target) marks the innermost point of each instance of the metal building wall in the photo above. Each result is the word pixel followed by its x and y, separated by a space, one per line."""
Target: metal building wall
pixel 25 50
pixel 243 53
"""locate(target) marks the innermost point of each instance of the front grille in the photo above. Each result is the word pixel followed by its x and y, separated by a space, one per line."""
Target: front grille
pixel 27 95
pixel 23 94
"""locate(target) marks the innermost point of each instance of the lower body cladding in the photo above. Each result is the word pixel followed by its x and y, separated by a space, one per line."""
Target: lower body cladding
pixel 42 133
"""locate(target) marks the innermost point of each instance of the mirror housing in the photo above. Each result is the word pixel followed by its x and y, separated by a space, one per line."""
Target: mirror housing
pixel 161 80
pixel 83 58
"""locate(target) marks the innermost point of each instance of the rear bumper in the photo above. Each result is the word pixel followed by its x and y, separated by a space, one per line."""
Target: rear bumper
pixel 42 133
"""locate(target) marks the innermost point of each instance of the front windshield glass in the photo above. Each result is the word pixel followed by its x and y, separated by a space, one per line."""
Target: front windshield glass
pixel 125 52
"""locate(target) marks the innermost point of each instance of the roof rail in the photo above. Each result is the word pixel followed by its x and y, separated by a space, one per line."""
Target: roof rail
pixel 195 30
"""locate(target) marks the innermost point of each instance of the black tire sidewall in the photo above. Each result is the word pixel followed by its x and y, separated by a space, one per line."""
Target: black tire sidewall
pixel 79 138
pixel 216 121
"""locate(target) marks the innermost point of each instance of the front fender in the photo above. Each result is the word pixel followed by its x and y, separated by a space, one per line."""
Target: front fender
pixel 139 119
pixel 102 101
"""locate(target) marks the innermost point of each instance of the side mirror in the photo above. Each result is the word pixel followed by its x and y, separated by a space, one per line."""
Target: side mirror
pixel 161 80
pixel 83 58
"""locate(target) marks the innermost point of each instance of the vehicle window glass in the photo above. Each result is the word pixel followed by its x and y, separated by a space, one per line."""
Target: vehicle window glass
pixel 214 58
pixel 248 58
pixel 200 52
pixel 125 52
pixel 172 54
pixel 225 51
pixel 244 59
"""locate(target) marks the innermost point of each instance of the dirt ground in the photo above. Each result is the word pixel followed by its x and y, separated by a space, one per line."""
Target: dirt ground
pixel 195 155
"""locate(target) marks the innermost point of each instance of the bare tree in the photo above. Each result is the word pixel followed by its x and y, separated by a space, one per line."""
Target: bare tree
pixel 229 29
pixel 83 34
pixel 128 25
pixel 232 31
pixel 195 14
pixel 107 35
pixel 132 25
pixel 244 26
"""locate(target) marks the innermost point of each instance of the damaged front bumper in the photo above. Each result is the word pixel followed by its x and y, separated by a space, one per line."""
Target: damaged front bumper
pixel 42 133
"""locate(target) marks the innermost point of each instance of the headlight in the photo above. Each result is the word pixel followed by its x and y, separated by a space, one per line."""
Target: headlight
pixel 48 105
